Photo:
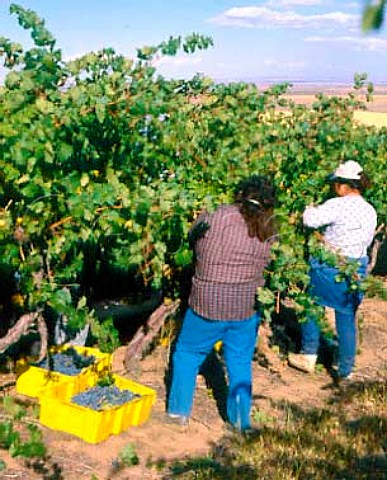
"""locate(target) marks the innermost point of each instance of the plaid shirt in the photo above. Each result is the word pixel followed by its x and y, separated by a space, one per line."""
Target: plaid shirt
pixel 229 267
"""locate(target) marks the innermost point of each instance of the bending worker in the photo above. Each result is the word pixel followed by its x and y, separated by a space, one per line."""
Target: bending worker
pixel 231 251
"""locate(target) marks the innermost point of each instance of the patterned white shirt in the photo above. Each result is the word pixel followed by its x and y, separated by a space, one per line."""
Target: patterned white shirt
pixel 350 223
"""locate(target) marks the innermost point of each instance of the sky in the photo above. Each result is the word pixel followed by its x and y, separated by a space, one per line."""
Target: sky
pixel 306 41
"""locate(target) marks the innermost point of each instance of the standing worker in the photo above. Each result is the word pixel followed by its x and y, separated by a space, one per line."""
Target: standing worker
pixel 232 248
pixel 349 222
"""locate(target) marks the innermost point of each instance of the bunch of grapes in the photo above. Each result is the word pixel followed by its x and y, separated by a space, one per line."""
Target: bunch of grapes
pixel 103 397
pixel 69 362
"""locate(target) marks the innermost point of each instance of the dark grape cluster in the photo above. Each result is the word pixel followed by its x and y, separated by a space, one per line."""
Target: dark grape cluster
pixel 103 398
pixel 69 362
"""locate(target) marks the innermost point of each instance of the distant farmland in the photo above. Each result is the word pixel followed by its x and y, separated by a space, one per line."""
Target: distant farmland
pixel 376 113
pixel 378 119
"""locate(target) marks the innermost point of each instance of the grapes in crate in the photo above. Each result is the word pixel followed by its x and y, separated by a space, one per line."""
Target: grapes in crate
pixel 69 362
pixel 103 397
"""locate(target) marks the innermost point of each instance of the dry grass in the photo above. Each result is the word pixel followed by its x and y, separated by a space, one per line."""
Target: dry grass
pixel 377 105
pixel 376 114
pixel 376 119
pixel 345 440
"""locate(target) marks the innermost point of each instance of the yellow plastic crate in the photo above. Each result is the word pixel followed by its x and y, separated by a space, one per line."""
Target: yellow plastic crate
pixel 59 413
pixel 35 380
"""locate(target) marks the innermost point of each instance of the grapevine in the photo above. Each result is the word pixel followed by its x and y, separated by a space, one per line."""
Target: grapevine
pixel 103 162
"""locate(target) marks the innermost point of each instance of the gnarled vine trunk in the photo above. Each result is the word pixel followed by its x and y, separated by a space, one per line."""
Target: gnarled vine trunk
pixel 378 242
pixel 22 327
pixel 147 333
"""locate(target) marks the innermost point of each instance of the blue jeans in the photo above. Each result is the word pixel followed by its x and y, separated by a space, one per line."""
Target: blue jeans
pixel 336 295
pixel 346 333
pixel 196 340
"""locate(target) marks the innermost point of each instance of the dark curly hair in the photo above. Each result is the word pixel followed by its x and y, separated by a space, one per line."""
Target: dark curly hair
pixel 362 184
pixel 255 197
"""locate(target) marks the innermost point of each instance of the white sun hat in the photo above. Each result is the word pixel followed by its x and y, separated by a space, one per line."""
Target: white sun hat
pixel 349 170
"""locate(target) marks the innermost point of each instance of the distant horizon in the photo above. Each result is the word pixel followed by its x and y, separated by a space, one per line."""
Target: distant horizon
pixel 275 80
pixel 300 81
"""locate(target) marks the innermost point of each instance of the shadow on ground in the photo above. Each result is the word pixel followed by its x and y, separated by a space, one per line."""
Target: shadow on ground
pixel 338 441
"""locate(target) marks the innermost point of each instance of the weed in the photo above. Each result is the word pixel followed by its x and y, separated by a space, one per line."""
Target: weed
pixel 26 442
pixel 12 408
pixel 262 417
pixel 127 457
pixel 319 368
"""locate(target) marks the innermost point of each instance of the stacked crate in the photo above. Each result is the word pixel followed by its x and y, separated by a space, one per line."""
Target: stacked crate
pixel 55 391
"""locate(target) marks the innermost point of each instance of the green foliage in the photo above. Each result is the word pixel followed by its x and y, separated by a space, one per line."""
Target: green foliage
pixel 33 447
pixel 373 15
pixel 12 408
pixel 128 456
pixel 374 287
pixel 8 436
pixel 262 418
pixel 189 44
pixel 106 381
pixel 106 334
pixel 28 445
pixel 104 162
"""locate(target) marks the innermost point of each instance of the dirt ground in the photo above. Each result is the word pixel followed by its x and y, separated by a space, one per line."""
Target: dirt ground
pixel 157 443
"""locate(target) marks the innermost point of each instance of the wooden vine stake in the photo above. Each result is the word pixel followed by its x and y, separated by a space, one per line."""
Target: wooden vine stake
pixel 277 303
